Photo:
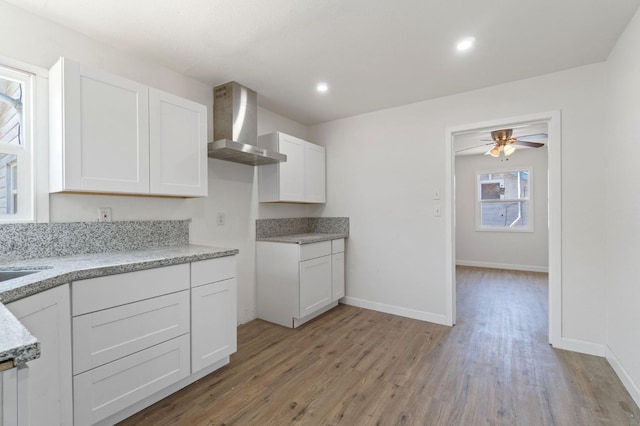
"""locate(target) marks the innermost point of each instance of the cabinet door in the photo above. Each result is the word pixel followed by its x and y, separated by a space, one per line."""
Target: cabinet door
pixel 104 142
pixel 213 323
pixel 14 396
pixel 178 145
pixel 337 279
pixel 291 172
pixel 315 285
pixel 315 184
pixel 47 316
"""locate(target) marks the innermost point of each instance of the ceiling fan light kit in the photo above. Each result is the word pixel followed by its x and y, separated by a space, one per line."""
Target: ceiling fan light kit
pixel 503 142
pixel 508 150
pixel 495 151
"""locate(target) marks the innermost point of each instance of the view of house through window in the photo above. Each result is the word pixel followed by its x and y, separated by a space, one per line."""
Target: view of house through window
pixel 15 148
pixel 504 201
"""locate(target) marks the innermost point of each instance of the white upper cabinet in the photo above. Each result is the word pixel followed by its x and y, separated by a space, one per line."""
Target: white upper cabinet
pixel 113 135
pixel 301 179
pixel 178 149
pixel 99 131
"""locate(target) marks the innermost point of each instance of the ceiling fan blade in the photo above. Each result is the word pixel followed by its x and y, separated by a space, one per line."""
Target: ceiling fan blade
pixel 529 144
pixel 534 136
pixel 473 147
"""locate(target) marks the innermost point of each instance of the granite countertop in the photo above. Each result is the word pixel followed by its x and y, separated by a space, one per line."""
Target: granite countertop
pixel 303 238
pixel 18 344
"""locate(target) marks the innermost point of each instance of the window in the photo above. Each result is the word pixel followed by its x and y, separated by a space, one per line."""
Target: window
pixel 504 201
pixel 16 146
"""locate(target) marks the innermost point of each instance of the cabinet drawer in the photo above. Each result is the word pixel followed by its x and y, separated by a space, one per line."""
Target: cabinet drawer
pixel 105 390
pixel 105 292
pixel 213 270
pixel 104 336
pixel 311 251
pixel 337 246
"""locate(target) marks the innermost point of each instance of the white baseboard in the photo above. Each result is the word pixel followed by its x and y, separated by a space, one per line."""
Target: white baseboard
pixel 509 266
pixel 395 310
pixel 582 347
pixel 628 382
pixel 249 315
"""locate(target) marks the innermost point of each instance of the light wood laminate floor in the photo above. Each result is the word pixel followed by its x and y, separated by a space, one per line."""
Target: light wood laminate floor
pixel 358 367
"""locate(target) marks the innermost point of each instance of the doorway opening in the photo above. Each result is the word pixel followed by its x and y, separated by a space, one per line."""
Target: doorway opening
pixel 501 197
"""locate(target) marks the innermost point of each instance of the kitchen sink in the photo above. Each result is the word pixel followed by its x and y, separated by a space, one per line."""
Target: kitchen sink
pixel 9 274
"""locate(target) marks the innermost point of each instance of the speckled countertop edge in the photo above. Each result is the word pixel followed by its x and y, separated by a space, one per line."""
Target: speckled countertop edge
pixel 303 238
pixel 15 340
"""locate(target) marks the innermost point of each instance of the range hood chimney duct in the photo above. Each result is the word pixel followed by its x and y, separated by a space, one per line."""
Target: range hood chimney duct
pixel 235 127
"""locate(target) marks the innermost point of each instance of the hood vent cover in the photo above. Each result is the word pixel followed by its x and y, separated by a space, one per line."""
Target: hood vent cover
pixel 235 127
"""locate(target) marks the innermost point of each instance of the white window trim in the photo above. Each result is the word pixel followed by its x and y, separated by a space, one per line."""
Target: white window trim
pixel 35 170
pixel 529 199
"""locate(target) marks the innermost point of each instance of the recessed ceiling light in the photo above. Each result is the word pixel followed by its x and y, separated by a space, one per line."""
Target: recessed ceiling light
pixel 322 87
pixel 465 44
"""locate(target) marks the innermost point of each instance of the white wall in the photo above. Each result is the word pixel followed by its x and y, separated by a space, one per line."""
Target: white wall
pixel 623 207
pixel 383 166
pixel 232 187
pixel 527 251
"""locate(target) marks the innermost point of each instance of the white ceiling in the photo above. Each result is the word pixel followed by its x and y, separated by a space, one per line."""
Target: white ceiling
pixel 374 54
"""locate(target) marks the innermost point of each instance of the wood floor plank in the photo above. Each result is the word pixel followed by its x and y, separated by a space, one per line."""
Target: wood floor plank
pixel 352 366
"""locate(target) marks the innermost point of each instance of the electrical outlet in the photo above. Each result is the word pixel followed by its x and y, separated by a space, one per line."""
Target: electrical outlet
pixel 436 194
pixel 104 214
pixel 220 219
pixel 437 212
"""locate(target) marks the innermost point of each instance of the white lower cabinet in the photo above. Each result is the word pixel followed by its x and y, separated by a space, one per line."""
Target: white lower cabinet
pixel 213 323
pixel 213 311
pixel 47 316
pixel 137 334
pixel 296 282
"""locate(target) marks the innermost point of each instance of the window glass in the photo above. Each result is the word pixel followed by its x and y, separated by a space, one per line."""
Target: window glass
pixel 504 201
pixel 8 184
pixel 16 189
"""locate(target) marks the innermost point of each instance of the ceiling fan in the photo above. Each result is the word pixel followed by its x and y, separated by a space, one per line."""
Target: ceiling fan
pixel 504 142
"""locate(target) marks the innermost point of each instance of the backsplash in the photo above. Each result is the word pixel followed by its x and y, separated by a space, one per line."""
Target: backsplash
pixel 20 241
pixel 266 228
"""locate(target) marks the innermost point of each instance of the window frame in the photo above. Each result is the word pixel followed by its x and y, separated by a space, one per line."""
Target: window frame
pixel 529 199
pixel 32 155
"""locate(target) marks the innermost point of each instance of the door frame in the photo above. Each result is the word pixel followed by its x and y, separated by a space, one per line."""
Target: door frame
pixel 554 165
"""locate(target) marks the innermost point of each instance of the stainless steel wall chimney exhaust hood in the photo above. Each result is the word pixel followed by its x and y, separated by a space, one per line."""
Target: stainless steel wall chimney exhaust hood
pixel 235 127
